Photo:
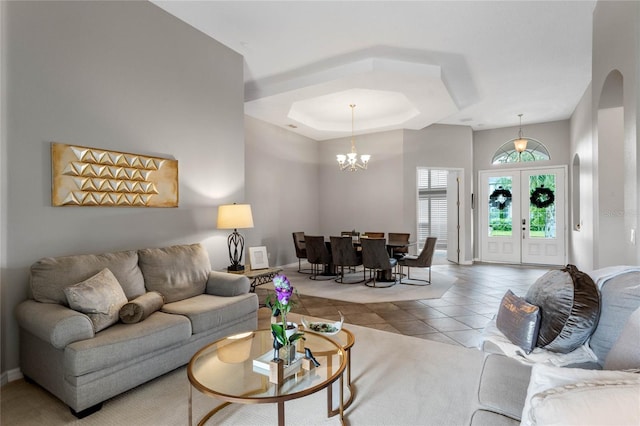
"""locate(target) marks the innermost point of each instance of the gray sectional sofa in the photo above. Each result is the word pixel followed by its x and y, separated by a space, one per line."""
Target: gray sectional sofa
pixel 507 383
pixel 87 355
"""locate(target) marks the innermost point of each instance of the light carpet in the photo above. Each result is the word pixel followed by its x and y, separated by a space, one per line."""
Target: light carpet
pixel 359 293
pixel 400 380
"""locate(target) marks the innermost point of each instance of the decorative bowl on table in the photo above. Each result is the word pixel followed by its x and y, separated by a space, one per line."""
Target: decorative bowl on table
pixel 326 328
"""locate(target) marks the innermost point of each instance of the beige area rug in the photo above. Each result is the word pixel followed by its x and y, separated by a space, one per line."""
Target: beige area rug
pixel 399 380
pixel 359 293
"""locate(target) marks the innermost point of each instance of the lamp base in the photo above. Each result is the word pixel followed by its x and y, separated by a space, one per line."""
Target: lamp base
pixel 235 268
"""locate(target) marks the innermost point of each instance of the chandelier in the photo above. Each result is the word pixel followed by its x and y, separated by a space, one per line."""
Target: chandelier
pixel 350 161
pixel 520 144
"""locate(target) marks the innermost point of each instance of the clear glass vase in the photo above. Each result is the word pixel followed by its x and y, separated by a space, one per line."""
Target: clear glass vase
pixel 288 353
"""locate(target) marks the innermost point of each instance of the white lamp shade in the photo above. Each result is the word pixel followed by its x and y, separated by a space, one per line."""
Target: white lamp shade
pixel 520 144
pixel 235 216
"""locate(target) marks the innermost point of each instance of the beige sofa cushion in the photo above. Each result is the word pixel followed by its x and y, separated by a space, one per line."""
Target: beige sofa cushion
pixel 121 343
pixel 208 312
pixel 176 272
pixel 50 275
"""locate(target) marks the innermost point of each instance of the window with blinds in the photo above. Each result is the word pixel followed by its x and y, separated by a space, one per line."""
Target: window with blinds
pixel 432 206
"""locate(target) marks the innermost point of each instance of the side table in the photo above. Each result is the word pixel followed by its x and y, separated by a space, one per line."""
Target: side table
pixel 259 276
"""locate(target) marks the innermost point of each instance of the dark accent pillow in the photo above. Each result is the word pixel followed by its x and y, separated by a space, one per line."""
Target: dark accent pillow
pixel 519 321
pixel 569 304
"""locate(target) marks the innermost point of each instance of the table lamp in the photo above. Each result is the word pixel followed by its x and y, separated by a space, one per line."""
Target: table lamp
pixel 235 216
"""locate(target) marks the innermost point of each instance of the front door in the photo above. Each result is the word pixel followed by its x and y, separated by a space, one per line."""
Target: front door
pixel 522 216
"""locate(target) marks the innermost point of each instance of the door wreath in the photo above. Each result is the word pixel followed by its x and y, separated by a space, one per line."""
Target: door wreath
pixel 500 198
pixel 542 197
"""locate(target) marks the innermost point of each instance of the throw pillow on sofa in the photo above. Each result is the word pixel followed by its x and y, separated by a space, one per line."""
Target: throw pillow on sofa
pixel 609 402
pixel 100 297
pixel 569 303
pixel 141 307
pixel 177 272
pixel 519 321
pixel 545 378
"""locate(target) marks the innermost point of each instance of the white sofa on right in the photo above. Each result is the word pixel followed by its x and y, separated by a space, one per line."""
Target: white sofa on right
pixel 515 391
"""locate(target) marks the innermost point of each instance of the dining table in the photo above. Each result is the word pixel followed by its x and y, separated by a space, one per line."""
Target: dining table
pixel 384 275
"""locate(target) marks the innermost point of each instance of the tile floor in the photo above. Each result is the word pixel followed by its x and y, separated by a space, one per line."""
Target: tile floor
pixel 456 318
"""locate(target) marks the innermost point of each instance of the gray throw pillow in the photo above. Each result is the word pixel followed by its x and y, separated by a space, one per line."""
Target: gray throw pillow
pixel 569 304
pixel 100 297
pixel 176 272
pixel 519 321
pixel 141 307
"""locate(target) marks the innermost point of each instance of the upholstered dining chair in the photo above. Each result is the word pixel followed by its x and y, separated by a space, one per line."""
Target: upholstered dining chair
pixel 345 254
pixel 399 238
pixel 301 250
pixel 423 260
pixel 318 256
pixel 375 258
pixel 374 234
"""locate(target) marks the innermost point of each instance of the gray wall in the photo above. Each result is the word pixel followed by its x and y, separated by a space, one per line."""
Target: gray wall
pixel 445 147
pixel 616 37
pixel 383 198
pixel 282 180
pixel 617 24
pixel 368 200
pixel 124 76
pixel 581 246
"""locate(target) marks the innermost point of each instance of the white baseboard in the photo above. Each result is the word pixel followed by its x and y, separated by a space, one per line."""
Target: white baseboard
pixel 10 376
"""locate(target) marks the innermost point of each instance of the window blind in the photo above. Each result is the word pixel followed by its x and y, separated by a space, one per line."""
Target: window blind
pixel 432 206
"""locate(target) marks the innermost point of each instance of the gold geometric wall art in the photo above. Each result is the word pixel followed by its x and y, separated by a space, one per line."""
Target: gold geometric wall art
pixel 83 176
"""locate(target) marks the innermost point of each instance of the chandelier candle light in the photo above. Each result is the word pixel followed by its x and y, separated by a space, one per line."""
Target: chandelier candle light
pixel 235 216
pixel 350 161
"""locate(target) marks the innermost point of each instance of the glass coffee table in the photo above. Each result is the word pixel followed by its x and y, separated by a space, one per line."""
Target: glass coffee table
pixel 224 370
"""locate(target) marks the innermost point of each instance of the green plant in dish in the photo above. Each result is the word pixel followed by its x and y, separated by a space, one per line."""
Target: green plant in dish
pixel 328 328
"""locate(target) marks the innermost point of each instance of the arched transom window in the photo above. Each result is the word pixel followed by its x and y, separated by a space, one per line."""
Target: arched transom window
pixel 532 150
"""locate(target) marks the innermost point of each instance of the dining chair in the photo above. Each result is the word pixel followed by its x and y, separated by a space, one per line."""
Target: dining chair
pixel 423 260
pixel 399 244
pixel 374 234
pixel 318 256
pixel 376 259
pixel 301 250
pixel 345 254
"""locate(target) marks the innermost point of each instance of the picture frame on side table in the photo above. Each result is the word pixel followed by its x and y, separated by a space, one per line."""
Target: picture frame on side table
pixel 258 257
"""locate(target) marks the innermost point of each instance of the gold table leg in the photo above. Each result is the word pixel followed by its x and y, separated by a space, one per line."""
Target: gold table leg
pixel 280 413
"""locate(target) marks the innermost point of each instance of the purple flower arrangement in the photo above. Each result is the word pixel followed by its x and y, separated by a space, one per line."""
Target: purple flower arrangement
pixel 282 305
